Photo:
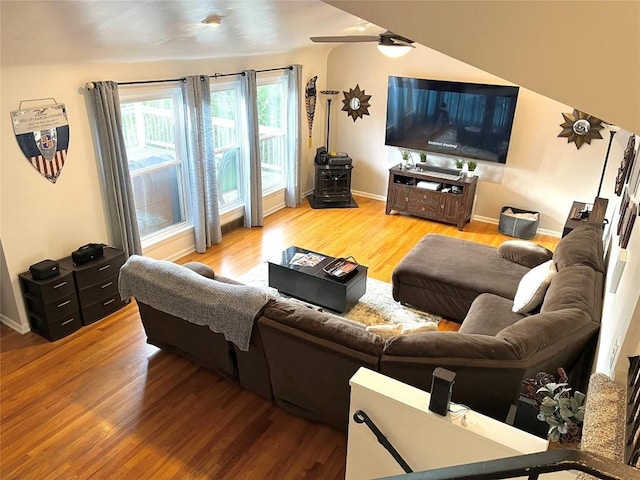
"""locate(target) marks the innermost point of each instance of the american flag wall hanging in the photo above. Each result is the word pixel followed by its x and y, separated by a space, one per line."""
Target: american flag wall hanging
pixel 43 137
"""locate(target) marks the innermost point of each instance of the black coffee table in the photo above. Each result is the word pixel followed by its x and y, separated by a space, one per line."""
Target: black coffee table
pixel 311 284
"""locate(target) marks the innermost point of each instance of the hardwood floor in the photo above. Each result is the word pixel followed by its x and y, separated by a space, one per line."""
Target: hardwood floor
pixel 101 403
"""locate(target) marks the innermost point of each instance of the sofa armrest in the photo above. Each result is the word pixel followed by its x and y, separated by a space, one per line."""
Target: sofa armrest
pixel 524 252
pixel 201 268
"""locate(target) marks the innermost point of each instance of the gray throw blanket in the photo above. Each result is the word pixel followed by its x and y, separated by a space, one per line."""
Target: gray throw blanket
pixel 176 290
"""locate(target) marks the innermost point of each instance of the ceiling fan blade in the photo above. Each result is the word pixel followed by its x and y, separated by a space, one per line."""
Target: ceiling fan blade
pixel 346 39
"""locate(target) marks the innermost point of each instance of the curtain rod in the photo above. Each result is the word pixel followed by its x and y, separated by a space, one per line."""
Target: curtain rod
pixel 215 75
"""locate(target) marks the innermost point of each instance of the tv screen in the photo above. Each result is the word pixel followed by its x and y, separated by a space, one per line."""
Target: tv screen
pixel 453 118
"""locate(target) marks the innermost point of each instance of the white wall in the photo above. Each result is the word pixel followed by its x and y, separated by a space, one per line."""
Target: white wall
pixel 44 220
pixel 425 440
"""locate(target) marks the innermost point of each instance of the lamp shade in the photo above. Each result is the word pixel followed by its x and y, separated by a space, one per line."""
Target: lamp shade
pixel 394 50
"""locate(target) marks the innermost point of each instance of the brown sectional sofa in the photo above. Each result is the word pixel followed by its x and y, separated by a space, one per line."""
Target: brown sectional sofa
pixel 303 358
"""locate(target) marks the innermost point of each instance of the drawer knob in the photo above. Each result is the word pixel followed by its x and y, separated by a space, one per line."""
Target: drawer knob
pixel 66 322
pixel 109 301
pixel 64 303
pixel 423 209
pixel 108 284
pixel 61 284
pixel 104 267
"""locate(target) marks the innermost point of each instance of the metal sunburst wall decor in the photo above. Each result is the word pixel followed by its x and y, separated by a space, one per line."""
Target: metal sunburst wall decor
pixel 580 128
pixel 356 103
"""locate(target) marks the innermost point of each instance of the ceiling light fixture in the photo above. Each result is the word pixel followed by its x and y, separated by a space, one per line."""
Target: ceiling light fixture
pixel 213 20
pixel 393 49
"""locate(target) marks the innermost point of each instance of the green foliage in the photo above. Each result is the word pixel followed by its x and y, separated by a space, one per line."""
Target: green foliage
pixel 560 409
pixel 423 156
pixel 406 154
pixel 270 98
pixel 459 163
pixel 472 164
pixel 223 104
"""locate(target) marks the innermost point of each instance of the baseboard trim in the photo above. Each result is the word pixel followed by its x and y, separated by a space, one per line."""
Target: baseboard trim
pixel 369 195
pixel 14 325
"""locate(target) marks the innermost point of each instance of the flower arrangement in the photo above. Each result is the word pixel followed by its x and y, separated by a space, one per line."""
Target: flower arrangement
pixel 562 410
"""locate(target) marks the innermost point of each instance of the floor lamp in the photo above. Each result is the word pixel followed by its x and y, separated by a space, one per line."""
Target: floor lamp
pixel 600 204
pixel 330 95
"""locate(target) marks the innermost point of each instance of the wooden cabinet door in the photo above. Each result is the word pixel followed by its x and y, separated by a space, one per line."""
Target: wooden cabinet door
pixel 449 207
pixel 398 198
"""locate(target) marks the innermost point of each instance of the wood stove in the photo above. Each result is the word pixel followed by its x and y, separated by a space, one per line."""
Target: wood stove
pixel 332 184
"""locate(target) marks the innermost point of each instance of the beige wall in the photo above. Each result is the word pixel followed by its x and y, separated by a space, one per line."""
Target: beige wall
pixel 542 172
pixel 586 54
pixel 40 219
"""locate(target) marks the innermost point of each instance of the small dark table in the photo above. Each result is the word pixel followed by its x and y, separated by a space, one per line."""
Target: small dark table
pixel 311 284
pixel 595 218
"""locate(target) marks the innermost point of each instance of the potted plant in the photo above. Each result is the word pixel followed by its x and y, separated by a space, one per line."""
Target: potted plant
pixel 407 161
pixel 562 410
pixel 459 163
pixel 423 157
pixel 471 166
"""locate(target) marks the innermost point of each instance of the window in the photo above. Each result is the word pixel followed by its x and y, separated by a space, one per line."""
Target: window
pixel 227 135
pixel 272 126
pixel 154 139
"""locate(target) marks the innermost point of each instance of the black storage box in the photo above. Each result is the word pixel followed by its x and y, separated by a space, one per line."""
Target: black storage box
pixel 518 227
pixel 87 252
pixel 44 269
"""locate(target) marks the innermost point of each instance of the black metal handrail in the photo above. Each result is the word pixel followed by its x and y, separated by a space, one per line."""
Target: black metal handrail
pixel 361 417
pixel 531 466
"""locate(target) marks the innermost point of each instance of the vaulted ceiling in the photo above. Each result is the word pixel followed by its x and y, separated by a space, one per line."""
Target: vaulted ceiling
pixel 584 54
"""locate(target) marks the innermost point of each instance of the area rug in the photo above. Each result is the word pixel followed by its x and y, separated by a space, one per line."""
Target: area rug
pixel 376 309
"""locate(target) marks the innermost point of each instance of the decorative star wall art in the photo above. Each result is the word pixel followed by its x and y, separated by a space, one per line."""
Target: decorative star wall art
pixel 356 103
pixel 580 128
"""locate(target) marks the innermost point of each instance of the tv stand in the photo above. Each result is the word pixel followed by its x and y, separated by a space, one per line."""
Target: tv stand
pixel 451 202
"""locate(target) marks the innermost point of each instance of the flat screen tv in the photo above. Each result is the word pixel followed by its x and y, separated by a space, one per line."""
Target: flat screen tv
pixel 461 119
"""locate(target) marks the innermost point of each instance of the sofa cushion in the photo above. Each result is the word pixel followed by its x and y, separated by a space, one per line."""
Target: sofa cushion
pixel 524 252
pixel 532 287
pixel 323 325
pixel 444 275
pixel 572 287
pixel 488 315
pixel 581 246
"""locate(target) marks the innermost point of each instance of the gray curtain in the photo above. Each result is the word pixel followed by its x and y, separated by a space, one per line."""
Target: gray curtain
pixel 253 209
pixel 292 196
pixel 203 195
pixel 114 166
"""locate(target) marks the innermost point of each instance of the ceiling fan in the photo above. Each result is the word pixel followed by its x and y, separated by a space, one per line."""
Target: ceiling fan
pixel 389 43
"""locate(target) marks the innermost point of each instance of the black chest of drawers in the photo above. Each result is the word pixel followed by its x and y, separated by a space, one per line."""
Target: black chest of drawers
pixel 52 304
pixel 78 295
pixel 97 284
